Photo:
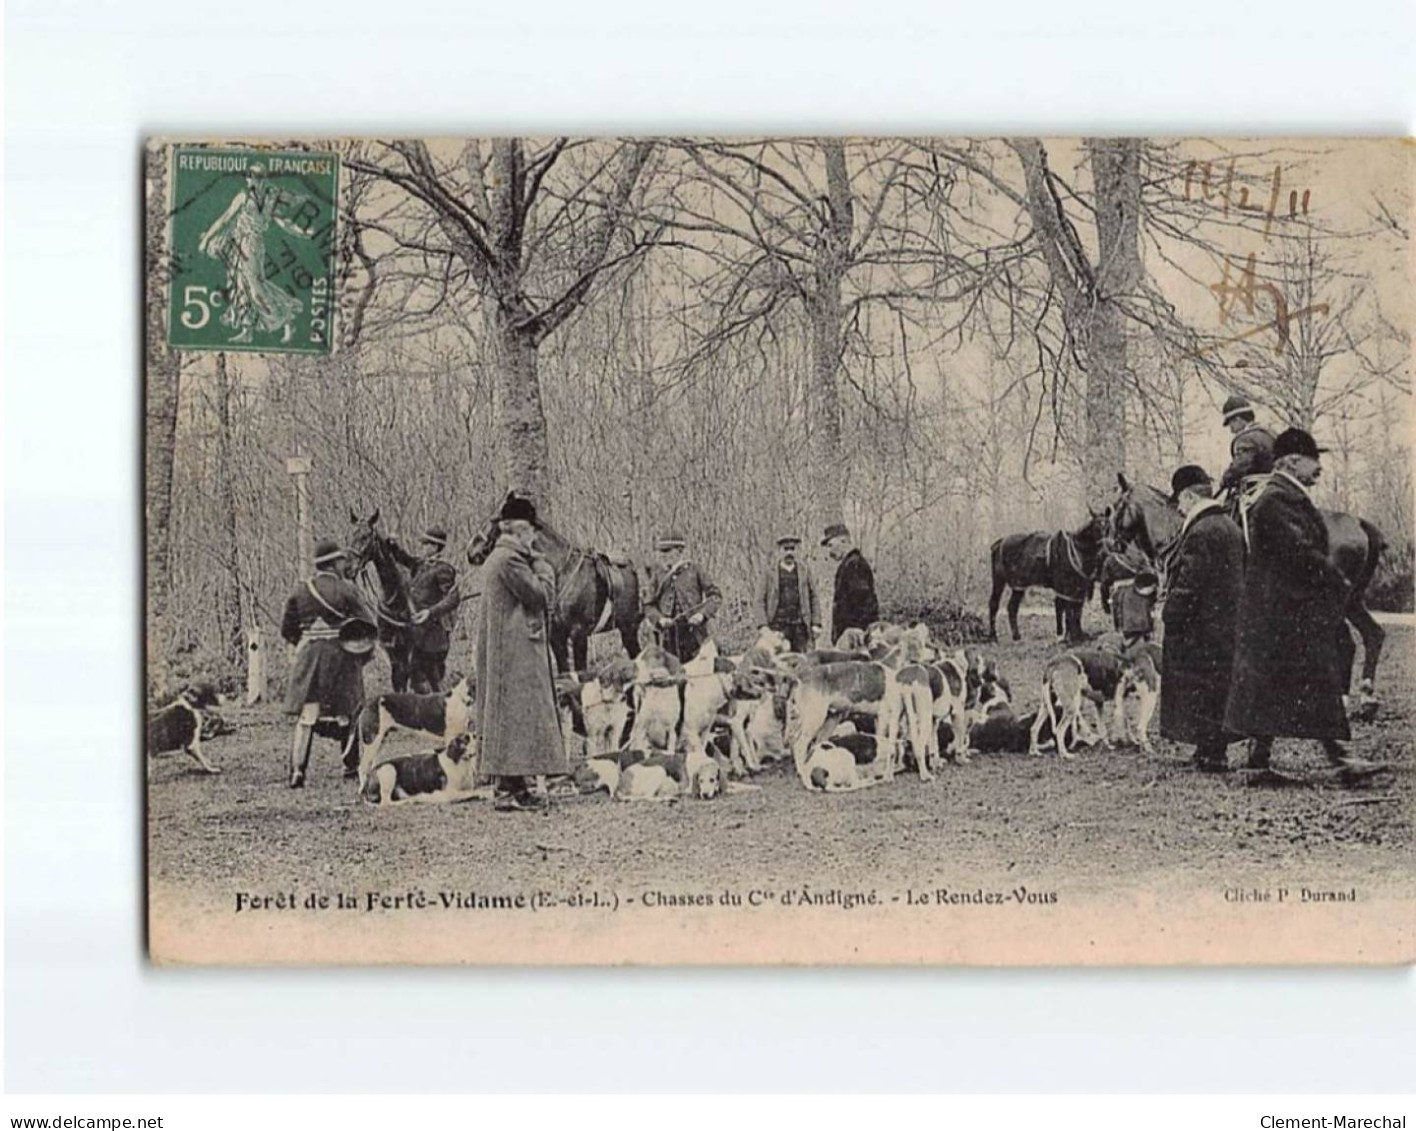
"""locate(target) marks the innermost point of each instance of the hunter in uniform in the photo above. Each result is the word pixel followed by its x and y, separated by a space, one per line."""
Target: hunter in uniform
pixel 434 597
pixel 333 631
pixel 1251 450
pixel 788 598
pixel 681 599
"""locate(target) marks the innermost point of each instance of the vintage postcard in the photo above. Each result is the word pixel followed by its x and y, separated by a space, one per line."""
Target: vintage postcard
pixel 779 551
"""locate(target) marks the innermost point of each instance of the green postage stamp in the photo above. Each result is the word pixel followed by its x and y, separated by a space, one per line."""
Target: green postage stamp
pixel 253 235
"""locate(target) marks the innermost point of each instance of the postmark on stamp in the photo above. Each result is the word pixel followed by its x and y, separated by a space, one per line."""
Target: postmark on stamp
pixel 253 237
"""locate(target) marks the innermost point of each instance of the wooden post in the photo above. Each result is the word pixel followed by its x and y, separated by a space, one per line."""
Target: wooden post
pixel 255 665
pixel 299 469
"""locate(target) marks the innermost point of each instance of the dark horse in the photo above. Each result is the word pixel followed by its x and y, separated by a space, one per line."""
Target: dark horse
pixel 593 593
pixel 1065 562
pixel 1147 517
pixel 387 591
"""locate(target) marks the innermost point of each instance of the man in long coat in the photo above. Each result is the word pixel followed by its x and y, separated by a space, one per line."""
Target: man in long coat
pixel 1289 663
pixel 516 702
pixel 682 599
pixel 1200 616
pixel 854 604
pixel 788 598
pixel 326 682
pixel 434 597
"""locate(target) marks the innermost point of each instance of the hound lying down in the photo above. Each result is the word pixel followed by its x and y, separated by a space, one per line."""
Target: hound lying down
pixel 440 776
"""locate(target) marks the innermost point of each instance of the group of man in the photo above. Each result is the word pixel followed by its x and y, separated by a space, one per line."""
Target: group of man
pixel 1255 634
pixel 333 629
pixel 681 600
pixel 1252 644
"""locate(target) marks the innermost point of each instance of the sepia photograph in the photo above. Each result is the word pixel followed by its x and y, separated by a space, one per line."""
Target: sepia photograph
pixel 778 550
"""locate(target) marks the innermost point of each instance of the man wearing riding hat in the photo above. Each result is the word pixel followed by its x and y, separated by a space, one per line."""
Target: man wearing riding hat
pixel 326 619
pixel 1201 608
pixel 1251 450
pixel 681 599
pixel 516 702
pixel 1289 668
pixel 789 599
pixel 853 604
pixel 433 596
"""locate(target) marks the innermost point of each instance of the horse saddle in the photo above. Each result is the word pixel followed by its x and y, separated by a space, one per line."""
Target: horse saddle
pixel 1024 555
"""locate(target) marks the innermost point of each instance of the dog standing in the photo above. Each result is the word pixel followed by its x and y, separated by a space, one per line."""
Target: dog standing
pixel 438 717
pixel 178 726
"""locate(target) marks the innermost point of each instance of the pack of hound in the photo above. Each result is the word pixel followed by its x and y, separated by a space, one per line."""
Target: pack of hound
pixel 881 702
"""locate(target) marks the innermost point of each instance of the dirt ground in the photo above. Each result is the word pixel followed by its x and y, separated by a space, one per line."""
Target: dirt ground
pixel 1111 819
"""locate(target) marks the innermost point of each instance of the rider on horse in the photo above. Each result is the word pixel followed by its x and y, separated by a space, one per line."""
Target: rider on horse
pixel 1251 450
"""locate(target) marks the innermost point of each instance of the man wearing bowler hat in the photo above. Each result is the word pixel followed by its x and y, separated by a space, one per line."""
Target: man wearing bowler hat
pixel 516 700
pixel 682 599
pixel 1289 664
pixel 1251 450
pixel 434 598
pixel 324 619
pixel 1201 609
pixel 853 604
pixel 788 598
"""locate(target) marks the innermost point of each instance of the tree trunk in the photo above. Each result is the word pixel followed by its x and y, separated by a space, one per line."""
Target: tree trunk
pixel 163 374
pixel 523 448
pixel 230 616
pixel 1116 175
pixel 824 311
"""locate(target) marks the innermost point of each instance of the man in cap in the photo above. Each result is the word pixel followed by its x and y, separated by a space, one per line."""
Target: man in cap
pixel 433 596
pixel 1251 450
pixel 1289 667
pixel 516 701
pixel 1201 609
pixel 323 619
pixel 788 598
pixel 853 604
pixel 682 599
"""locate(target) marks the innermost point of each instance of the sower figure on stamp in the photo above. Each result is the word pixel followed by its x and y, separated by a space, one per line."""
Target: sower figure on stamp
pixel 1251 450
pixel 1290 664
pixel 853 604
pixel 333 631
pixel 1200 615
pixel 788 597
pixel 682 599
pixel 434 597
pixel 516 701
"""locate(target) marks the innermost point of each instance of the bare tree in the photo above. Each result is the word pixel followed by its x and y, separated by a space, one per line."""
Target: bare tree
pixel 163 371
pixel 535 242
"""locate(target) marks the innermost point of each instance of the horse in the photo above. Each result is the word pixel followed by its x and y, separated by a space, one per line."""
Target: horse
pixel 387 591
pixel 1146 516
pixel 593 593
pixel 1065 562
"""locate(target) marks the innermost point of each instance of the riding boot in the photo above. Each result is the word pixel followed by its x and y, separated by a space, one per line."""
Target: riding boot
pixel 351 753
pixel 1260 753
pixel 300 754
pixel 1343 759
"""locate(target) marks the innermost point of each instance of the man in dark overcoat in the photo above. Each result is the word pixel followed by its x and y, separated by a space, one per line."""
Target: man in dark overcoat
pixel 1200 615
pixel 1251 450
pixel 788 598
pixel 434 597
pixel 326 683
pixel 516 702
pixel 682 599
pixel 1289 662
pixel 853 603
